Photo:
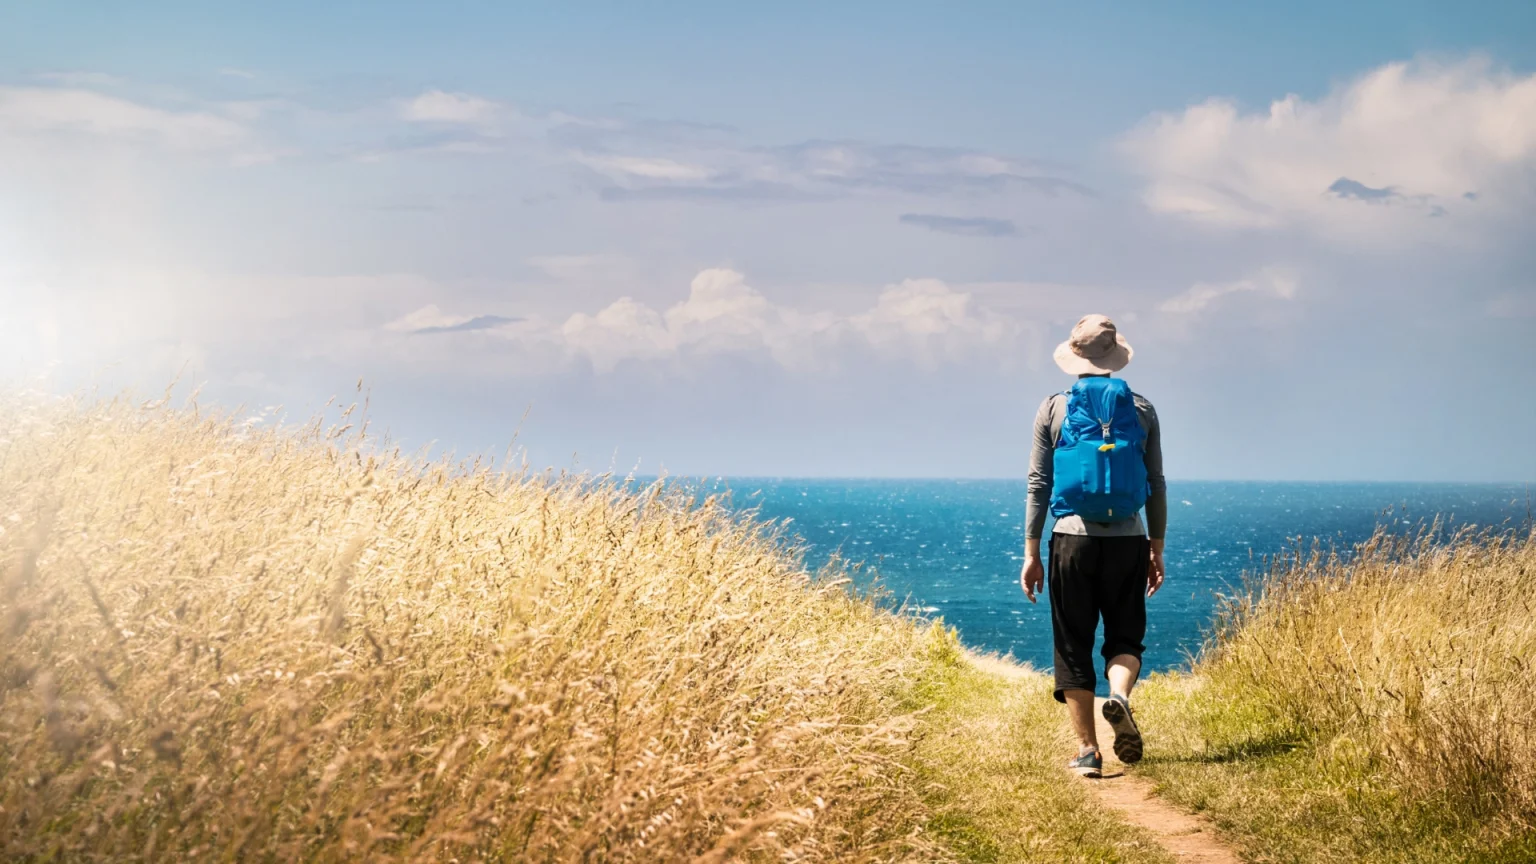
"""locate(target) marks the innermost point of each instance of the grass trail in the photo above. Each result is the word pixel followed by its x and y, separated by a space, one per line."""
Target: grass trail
pixel 993 761
pixel 1190 837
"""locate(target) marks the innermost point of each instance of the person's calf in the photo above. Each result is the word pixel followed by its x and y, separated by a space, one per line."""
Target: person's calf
pixel 1122 670
pixel 1080 709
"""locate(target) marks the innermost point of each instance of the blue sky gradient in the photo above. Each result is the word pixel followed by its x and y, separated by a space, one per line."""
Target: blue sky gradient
pixel 790 239
pixel 1017 75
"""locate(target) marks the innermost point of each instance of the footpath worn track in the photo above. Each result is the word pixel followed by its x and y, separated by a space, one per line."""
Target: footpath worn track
pixel 1188 837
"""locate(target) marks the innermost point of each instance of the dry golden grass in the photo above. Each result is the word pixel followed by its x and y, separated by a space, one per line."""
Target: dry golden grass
pixel 222 643
pixel 1376 706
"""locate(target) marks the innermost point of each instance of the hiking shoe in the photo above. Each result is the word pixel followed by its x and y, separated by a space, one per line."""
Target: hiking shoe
pixel 1127 737
pixel 1087 764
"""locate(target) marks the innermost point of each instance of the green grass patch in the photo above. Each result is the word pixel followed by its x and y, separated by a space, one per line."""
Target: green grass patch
pixel 991 759
pixel 1278 799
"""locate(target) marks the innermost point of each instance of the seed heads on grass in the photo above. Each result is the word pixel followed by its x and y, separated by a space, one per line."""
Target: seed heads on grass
pixel 340 652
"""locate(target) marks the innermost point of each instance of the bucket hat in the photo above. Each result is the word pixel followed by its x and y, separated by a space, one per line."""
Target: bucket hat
pixel 1094 348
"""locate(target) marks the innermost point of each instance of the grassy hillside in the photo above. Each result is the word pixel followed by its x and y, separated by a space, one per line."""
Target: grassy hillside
pixel 224 643
pixel 1375 707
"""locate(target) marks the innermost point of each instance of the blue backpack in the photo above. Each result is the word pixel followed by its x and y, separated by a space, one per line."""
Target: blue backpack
pixel 1100 467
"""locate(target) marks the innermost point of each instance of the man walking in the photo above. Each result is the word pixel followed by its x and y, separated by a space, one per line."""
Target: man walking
pixel 1097 463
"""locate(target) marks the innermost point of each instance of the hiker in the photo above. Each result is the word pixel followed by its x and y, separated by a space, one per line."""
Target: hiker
pixel 1097 462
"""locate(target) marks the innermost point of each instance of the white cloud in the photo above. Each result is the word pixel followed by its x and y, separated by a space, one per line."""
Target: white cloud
pixel 426 317
pixel 1272 282
pixel 438 106
pixel 921 320
pixel 1386 151
pixel 721 315
pixel 925 319
pixel 27 111
pixel 626 329
pixel 916 307
pixel 646 168
pixel 722 312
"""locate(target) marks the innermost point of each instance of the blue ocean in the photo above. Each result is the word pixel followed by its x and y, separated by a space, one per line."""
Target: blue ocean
pixel 953 548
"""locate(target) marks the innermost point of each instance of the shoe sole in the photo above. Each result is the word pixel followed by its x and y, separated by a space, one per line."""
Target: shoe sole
pixel 1090 773
pixel 1127 737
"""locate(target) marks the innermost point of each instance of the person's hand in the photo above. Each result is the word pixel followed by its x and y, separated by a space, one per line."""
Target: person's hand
pixel 1155 568
pixel 1032 577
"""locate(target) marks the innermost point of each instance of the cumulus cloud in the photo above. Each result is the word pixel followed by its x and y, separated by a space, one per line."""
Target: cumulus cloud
pixel 1277 283
pixel 1376 156
pixel 626 329
pixel 973 226
pixel 439 106
pixel 926 319
pixel 722 314
pixel 437 122
pixel 923 321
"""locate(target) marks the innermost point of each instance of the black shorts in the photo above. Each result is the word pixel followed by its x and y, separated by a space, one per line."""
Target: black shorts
pixel 1092 577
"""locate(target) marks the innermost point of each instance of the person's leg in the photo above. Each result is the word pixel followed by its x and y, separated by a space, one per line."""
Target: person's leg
pixel 1074 620
pixel 1122 596
pixel 1123 599
pixel 1080 707
pixel 1122 671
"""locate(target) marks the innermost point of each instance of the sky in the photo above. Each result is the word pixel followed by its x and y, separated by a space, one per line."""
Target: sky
pixel 791 239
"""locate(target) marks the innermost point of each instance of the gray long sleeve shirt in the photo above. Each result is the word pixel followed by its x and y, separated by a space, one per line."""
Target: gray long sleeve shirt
pixel 1041 475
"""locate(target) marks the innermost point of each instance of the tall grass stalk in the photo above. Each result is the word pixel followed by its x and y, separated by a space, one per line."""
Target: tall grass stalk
pixel 227 643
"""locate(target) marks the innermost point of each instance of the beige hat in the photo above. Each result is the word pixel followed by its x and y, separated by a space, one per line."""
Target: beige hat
pixel 1095 348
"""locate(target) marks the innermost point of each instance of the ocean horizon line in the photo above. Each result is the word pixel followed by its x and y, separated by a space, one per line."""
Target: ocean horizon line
pixel 1529 485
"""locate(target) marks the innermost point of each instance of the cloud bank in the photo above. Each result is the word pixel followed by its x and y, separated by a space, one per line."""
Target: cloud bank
pixel 51 111
pixel 919 321
pixel 1372 159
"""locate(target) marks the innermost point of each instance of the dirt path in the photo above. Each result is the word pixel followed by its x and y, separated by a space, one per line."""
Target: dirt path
pixel 1189 837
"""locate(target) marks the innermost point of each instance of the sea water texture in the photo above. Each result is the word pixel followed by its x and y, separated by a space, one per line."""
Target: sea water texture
pixel 953 548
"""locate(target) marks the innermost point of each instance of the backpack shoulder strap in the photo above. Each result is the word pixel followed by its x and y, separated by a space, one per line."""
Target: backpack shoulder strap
pixel 1143 411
